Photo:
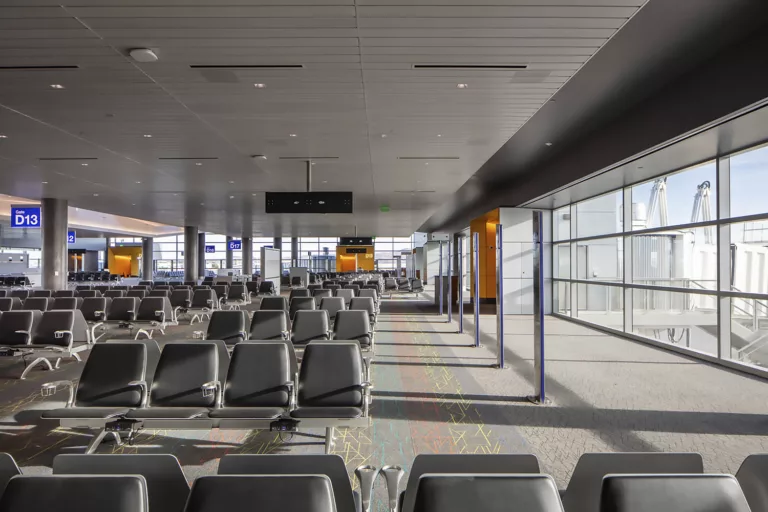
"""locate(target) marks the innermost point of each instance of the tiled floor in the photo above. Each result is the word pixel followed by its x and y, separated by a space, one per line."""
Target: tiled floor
pixel 435 393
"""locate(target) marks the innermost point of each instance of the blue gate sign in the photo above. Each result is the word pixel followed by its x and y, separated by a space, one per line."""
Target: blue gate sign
pixel 25 216
pixel 235 245
pixel 71 237
pixel 209 249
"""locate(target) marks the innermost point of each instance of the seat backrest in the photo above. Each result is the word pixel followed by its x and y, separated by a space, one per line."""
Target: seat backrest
pixel 320 294
pixel 753 478
pixel 55 329
pixel 13 321
pixel 107 372
pixel 167 487
pixel 220 290
pixel 38 303
pixel 465 464
pixel 296 281
pixel 246 493
pixel 148 284
pixel 166 292
pixel 181 298
pixel 332 305
pixel 681 493
pixel 346 294
pixel 7 303
pixel 313 287
pixel 364 304
pixel 266 287
pixel 22 294
pixel 269 325
pixel 257 377
pixel 200 287
pixel 487 492
pixel 95 309
pixel 152 309
pixel 139 294
pixel 228 326
pixel 82 287
pixel 331 375
pixel 272 303
pixel 123 309
pixel 583 492
pixel 113 294
pixel 8 469
pixel 299 292
pixel 331 466
pixel 64 303
pixel 205 298
pixel 301 304
pixel 310 325
pixel 102 288
pixel 352 325
pixel 42 293
pixel 81 493
pixel 237 291
pixel 64 293
pixel 369 293
pixel 88 293
pixel 332 286
pixel 182 370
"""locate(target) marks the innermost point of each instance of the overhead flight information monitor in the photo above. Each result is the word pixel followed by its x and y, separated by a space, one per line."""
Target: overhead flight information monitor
pixel 309 202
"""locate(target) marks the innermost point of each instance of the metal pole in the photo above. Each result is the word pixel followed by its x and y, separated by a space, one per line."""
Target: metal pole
pixel 476 265
pixel 540 396
pixel 440 277
pixel 460 251
pixel 450 285
pixel 500 293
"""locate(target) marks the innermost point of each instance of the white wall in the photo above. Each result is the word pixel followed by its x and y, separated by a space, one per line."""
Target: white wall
pixel 432 257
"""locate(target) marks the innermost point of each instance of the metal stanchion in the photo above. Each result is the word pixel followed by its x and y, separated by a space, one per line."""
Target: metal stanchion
pixel 461 284
pixel 440 277
pixel 500 294
pixel 450 285
pixel 540 396
pixel 476 265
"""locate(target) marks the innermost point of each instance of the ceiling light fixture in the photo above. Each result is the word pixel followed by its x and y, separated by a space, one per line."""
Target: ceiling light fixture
pixel 439 134
pixel 325 181
pixel 202 204
pixel 57 86
pixel 383 135
pixel 95 195
pixel 198 163
pixel 291 134
pixel 147 135
pixel 138 183
pixel 426 163
pixel 231 197
pixel 3 136
pixel 547 143
pixel 259 86
pixel 462 86
pixel 44 182
pixel 231 182
pixel 84 164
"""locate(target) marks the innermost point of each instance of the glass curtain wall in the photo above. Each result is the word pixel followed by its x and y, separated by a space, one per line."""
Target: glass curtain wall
pixel 681 259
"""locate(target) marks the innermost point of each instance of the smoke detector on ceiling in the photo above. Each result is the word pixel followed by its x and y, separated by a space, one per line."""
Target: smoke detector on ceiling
pixel 143 55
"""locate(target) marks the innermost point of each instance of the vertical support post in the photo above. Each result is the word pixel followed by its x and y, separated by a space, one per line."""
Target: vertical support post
pixel 440 277
pixel 190 253
pixel 247 257
pixel 295 250
pixel 628 293
pixel 54 263
pixel 500 293
pixel 147 250
pixel 230 256
pixel 450 283
pixel 539 396
pixel 460 280
pixel 724 256
pixel 201 254
pixel 476 284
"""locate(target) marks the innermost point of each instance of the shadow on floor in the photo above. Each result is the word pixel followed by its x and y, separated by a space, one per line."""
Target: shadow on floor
pixel 448 396
pixel 422 344
pixel 446 365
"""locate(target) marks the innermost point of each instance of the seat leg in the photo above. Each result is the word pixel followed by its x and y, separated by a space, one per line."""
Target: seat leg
pixel 37 361
pixel 329 440
pixel 116 437
pixel 95 442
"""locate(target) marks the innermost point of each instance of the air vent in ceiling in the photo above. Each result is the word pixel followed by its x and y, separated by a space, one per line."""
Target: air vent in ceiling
pixel 188 158
pixel 247 66
pixel 428 158
pixel 10 68
pixel 479 67
pixel 308 158
pixel 66 158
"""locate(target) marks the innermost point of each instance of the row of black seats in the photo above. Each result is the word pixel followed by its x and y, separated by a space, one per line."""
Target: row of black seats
pixel 14 281
pixel 602 482
pixel 195 385
pixel 322 299
pixel 103 276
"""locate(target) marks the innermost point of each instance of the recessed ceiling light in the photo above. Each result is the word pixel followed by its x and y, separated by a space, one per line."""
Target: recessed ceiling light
pixel 253 194
pixel 57 86
pixel 259 86
pixel 198 163
pixel 383 135
pixel 138 183
pixel 147 135
pixel 231 182
pixel 462 86
pixel 426 163
pixel 84 164
pixel 95 195
pixel 439 134
pixel 133 204
pixel 202 204
pixel 547 143
pixel 3 136
pixel 44 182
pixel 174 195
pixel 325 181
pixel 291 134
pixel 231 197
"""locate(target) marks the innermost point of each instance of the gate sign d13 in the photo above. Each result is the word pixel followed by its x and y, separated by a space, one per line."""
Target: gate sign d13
pixel 235 245
pixel 209 249
pixel 71 237
pixel 25 216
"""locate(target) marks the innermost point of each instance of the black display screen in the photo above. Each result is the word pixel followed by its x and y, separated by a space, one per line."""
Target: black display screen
pixel 355 241
pixel 356 250
pixel 309 202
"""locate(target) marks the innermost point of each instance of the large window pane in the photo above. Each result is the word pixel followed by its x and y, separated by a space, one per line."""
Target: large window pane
pixel 749 320
pixel 748 171
pixel 749 252
pixel 681 259
pixel 562 223
pixel 600 260
pixel 562 297
pixel 562 260
pixel 600 304
pixel 670 200
pixel 599 216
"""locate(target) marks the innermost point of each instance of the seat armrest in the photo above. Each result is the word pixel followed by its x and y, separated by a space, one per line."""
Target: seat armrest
pixel 98 313
pixel 50 388
pixel 161 315
pixel 212 388
pixel 367 398
pixel 144 390
pixel 243 334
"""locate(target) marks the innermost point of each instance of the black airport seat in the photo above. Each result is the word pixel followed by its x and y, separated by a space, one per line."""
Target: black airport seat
pixel 113 294
pixel 191 284
pixel 274 303
pixel 319 295
pixel 417 286
pixel 145 287
pixel 753 478
pixel 229 326
pixel 159 293
pixel 681 493
pixel 248 493
pixel 3 293
pixel 82 287
pixel 167 487
pixel 103 288
pixel 332 286
pixel 185 386
pixel 221 291
pixel 331 466
pixel 9 303
pixel 237 295
pixel 66 303
pixel 21 294
pixel 332 305
pixel 301 304
pixel 313 287
pixel 42 293
pixel 88 293
pixel 123 310
pixel 121 287
pixel 583 491
pixel 8 469
pixel 38 303
pixel 94 310
pixel 53 338
pixel 200 287
pixel 203 303
pixel 491 493
pixel 252 287
pixel 152 313
pixel 310 325
pixel 372 294
pixel 353 325
pixel 269 325
pixel 353 287
pixel 259 384
pixel 181 300
pixel 299 292
pixel 296 281
pixel 75 493
pixel 63 293
pixel 147 284
pixel 139 294
pixel 364 304
pixel 345 293
pixel 17 327
pixel 267 288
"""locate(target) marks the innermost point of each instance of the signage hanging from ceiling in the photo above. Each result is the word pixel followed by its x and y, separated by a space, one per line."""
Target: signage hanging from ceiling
pixel 25 216
pixel 355 241
pixel 71 238
pixel 356 250
pixel 308 202
pixel 210 249
pixel 235 245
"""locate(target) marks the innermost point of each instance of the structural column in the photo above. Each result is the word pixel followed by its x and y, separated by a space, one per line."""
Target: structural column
pixel 277 243
pixel 201 255
pixel 106 254
pixel 147 255
pixel 54 230
pixel 230 255
pixel 247 246
pixel 190 253
pixel 294 251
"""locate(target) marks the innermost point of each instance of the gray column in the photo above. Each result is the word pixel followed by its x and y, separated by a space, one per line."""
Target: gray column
pixel 455 250
pixel 230 255
pixel 190 253
pixel 247 246
pixel 277 243
pixel 147 255
pixel 54 230
pixel 294 251
pixel 201 254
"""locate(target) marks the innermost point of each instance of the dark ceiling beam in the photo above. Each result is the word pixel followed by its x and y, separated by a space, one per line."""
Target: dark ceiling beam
pixel 676 66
